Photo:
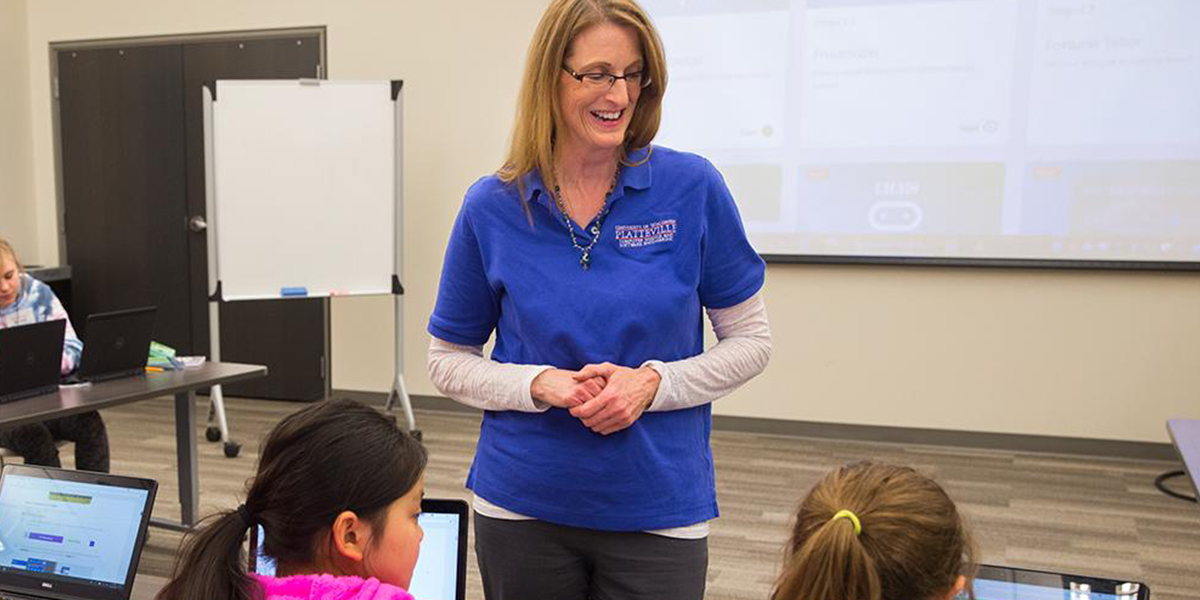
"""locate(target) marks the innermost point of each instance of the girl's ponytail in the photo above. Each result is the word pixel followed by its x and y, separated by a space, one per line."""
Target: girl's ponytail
pixel 829 563
pixel 330 457
pixel 215 562
pixel 870 531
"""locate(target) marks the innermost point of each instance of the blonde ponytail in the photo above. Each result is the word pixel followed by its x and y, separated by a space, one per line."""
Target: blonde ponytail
pixel 903 538
pixel 829 563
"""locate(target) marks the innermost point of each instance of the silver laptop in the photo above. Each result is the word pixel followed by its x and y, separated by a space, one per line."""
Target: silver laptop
pixel 71 535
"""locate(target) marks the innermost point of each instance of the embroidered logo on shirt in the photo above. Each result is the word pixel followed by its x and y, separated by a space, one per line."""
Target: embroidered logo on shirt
pixel 636 236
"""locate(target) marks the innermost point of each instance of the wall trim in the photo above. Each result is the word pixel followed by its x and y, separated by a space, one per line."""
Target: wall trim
pixel 1013 442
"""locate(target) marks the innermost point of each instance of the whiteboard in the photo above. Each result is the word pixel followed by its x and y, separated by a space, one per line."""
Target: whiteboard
pixel 304 182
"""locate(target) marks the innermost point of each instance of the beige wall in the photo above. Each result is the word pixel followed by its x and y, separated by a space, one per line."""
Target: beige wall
pixel 1086 354
pixel 16 180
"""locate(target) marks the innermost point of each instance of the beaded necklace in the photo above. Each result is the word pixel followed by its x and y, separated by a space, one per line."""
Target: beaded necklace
pixel 585 257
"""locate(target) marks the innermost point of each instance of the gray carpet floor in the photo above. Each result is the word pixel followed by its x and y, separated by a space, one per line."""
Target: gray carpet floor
pixel 1083 515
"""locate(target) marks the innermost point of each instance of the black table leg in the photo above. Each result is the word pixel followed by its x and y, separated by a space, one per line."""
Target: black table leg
pixel 188 465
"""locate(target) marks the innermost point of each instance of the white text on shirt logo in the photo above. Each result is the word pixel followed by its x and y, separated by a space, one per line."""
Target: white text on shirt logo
pixel 636 236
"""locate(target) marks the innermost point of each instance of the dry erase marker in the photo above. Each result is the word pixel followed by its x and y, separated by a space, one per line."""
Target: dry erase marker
pixel 293 291
pixel 154 369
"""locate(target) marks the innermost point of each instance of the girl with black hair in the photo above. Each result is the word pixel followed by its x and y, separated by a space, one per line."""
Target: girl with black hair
pixel 338 492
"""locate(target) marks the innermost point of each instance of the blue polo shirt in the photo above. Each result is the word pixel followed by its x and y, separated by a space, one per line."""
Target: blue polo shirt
pixel 672 244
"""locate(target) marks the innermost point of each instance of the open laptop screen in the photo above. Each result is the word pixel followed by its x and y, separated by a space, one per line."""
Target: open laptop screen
pixel 1006 583
pixel 440 573
pixel 441 570
pixel 71 532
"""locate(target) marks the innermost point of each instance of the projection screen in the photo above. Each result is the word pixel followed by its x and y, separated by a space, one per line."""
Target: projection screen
pixel 977 131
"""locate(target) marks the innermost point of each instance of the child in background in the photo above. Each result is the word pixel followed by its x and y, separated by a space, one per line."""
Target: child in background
pixel 338 492
pixel 871 531
pixel 25 300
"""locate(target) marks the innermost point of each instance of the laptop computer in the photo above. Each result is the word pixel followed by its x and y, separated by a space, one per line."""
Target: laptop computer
pixel 441 571
pixel 30 359
pixel 71 535
pixel 116 345
pixel 1007 583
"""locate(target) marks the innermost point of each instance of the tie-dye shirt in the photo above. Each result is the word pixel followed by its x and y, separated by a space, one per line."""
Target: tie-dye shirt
pixel 37 303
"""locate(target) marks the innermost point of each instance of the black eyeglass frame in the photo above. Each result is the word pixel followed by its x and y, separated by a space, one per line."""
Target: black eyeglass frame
pixel 612 79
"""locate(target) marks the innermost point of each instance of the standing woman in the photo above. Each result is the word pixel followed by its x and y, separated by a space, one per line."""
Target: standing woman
pixel 25 300
pixel 591 255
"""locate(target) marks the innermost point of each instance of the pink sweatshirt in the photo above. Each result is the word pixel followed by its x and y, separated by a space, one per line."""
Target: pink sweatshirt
pixel 329 587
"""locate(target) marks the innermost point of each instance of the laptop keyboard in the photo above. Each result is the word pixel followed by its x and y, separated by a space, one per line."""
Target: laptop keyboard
pixel 7 596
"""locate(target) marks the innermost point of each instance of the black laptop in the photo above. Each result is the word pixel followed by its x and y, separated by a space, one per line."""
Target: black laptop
pixel 116 345
pixel 441 570
pixel 1008 583
pixel 71 535
pixel 30 359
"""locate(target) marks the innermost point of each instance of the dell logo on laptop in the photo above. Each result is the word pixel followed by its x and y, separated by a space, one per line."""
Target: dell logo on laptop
pixel 48 585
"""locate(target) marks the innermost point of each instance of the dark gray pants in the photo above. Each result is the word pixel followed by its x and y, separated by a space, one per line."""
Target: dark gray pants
pixel 532 560
pixel 35 442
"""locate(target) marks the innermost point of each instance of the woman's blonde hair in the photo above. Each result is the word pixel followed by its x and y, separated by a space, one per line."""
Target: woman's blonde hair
pixel 6 249
pixel 532 146
pixel 911 541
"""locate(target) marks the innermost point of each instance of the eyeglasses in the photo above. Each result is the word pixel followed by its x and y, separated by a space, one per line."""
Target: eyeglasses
pixel 600 79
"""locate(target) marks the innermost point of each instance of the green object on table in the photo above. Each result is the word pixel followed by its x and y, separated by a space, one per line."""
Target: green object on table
pixel 162 356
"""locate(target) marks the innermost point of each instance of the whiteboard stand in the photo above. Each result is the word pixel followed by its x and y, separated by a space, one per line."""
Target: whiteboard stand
pixel 216 407
pixel 319 146
pixel 399 391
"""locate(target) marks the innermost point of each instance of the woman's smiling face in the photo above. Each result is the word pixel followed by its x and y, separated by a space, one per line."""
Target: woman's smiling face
pixel 595 116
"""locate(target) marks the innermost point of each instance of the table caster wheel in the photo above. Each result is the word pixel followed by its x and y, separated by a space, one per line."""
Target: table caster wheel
pixel 212 434
pixel 232 449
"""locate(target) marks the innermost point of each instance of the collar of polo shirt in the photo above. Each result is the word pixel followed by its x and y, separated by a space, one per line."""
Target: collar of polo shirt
pixel 635 177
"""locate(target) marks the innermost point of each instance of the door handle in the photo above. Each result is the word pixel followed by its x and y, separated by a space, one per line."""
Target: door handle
pixel 197 224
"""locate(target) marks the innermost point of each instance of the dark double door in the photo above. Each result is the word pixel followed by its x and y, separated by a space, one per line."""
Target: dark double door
pixel 131 129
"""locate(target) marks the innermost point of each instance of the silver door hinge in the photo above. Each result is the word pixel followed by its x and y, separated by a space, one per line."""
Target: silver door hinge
pixel 56 88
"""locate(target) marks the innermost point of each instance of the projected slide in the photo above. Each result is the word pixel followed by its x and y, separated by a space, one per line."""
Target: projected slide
pixel 902 198
pixel 70 529
pixel 1150 210
pixel 1009 129
pixel 880 75
pixel 728 71
pixel 1115 72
